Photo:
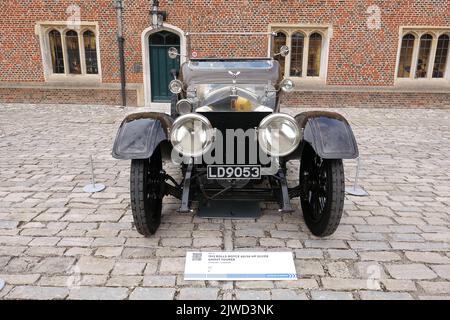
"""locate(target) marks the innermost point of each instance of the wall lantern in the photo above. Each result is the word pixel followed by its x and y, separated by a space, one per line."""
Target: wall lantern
pixel 157 17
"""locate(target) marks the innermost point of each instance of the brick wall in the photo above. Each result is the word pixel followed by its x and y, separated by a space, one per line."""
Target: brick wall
pixel 339 99
pixel 67 96
pixel 20 52
pixel 357 56
pixel 307 99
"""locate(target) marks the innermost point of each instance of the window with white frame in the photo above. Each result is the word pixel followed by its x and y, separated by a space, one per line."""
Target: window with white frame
pixel 70 51
pixel 308 50
pixel 424 54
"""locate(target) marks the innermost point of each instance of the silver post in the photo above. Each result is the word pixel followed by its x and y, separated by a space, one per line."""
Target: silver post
pixel 356 190
pixel 358 167
pixel 2 284
pixel 92 171
pixel 93 187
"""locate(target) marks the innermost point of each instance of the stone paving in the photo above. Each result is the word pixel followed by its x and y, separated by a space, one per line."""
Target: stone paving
pixel 57 242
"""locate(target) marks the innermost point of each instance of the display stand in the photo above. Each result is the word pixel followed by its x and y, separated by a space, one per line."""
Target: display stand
pixel 356 190
pixel 93 187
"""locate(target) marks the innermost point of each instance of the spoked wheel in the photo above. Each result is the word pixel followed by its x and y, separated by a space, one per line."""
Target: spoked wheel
pixel 322 196
pixel 145 193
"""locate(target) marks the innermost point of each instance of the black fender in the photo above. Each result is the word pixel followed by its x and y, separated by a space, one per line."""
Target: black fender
pixel 140 134
pixel 329 134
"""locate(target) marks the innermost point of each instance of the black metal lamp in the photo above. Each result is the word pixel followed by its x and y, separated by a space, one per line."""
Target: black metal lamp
pixel 158 17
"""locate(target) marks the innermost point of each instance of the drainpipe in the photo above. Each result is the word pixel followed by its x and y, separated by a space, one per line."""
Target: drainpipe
pixel 120 42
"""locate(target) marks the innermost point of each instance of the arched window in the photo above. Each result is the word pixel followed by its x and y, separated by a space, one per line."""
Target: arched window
pixel 90 52
pixel 406 53
pixel 157 38
pixel 308 51
pixel 423 59
pixel 314 54
pixel 73 52
pixel 440 61
pixel 279 41
pixel 172 39
pixel 164 38
pixel 56 51
pixel 297 44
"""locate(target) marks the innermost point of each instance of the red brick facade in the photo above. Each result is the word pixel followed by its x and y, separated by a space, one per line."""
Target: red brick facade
pixel 67 95
pixel 337 99
pixel 358 57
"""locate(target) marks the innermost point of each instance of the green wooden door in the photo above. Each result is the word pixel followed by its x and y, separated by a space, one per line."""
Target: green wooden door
pixel 161 64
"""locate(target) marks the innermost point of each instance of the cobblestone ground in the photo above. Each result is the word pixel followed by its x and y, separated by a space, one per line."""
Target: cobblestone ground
pixel 58 242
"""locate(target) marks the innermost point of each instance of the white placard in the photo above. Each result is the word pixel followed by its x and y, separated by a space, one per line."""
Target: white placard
pixel 239 266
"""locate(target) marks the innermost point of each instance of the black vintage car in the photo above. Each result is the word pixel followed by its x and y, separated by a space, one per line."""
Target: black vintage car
pixel 231 141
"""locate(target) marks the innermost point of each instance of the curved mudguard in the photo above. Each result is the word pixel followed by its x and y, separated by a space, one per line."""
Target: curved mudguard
pixel 140 134
pixel 329 134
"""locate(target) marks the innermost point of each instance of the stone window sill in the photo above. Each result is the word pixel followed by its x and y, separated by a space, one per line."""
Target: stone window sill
pixel 74 79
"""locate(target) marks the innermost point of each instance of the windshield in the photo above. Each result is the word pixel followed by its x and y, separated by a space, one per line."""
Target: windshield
pixel 230 64
pixel 201 45
pixel 221 71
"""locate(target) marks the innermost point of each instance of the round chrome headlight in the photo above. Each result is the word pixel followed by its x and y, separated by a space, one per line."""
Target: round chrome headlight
pixel 184 106
pixel 287 85
pixel 191 135
pixel 175 86
pixel 278 134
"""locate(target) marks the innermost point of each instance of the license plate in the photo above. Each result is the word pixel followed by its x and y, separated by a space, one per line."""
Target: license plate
pixel 234 172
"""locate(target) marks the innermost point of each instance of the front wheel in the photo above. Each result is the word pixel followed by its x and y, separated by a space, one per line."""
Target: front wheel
pixel 145 193
pixel 323 192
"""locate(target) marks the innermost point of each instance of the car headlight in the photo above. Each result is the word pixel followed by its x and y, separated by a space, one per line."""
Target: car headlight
pixel 191 135
pixel 184 107
pixel 175 86
pixel 278 134
pixel 287 85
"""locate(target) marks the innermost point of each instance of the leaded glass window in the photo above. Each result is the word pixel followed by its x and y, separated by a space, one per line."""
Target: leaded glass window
pixel 424 56
pixel 73 52
pixel 406 54
pixel 90 52
pixel 56 50
pixel 297 44
pixel 440 61
pixel 280 40
pixel 314 54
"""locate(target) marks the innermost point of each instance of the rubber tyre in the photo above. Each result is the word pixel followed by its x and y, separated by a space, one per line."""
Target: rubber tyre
pixel 146 209
pixel 328 221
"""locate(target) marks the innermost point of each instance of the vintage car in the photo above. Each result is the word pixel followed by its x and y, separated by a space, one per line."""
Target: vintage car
pixel 231 142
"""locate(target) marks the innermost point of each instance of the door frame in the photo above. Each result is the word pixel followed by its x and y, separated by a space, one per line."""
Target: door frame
pixel 146 58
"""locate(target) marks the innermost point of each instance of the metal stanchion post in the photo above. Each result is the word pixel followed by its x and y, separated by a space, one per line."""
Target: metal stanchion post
pixel 356 190
pixel 93 187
